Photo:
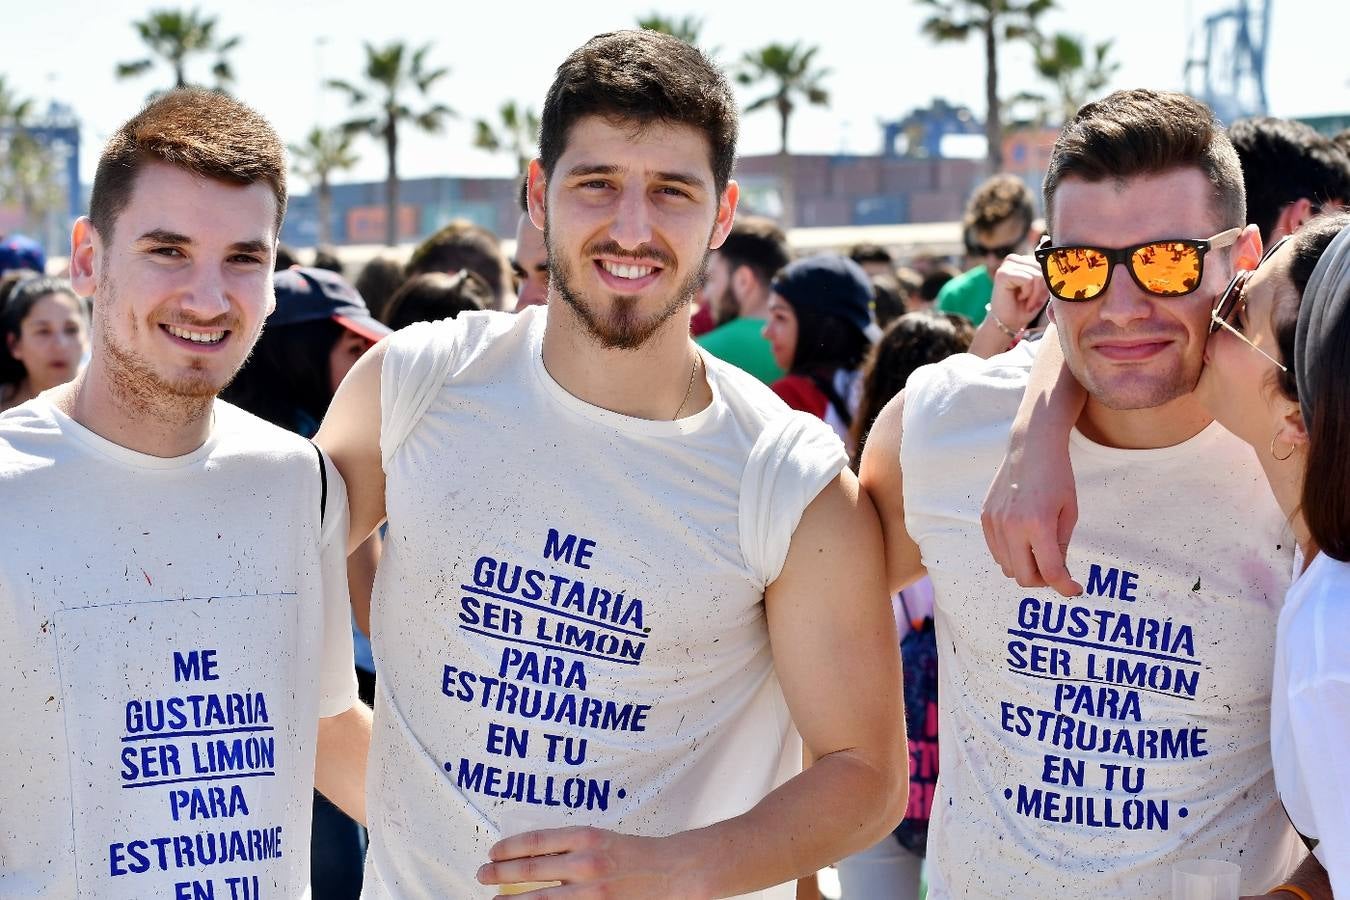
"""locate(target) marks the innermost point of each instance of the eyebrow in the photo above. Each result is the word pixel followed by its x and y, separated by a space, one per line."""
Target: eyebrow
pixel 683 178
pixel 164 236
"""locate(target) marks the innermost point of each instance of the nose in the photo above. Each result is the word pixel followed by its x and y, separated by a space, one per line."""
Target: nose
pixel 632 226
pixel 206 297
pixel 1124 301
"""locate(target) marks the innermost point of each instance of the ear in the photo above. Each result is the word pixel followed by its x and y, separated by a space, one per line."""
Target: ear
pixel 86 257
pixel 743 281
pixel 726 214
pixel 12 341
pixel 1247 249
pixel 536 195
pixel 1294 215
pixel 1292 430
pixel 1050 310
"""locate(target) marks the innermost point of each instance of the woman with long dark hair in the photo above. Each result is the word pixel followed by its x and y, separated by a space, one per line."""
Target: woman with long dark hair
pixel 820 328
pixel 44 333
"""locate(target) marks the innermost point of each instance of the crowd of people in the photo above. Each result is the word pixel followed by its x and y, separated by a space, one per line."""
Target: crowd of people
pixel 659 560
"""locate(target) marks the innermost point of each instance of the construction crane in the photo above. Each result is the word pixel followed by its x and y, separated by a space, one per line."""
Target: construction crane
pixel 1231 60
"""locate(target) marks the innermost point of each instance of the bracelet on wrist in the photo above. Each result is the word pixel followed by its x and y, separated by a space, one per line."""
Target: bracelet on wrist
pixel 1013 336
pixel 1294 889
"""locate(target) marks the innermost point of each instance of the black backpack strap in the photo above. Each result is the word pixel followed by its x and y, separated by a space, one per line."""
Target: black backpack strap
pixel 323 483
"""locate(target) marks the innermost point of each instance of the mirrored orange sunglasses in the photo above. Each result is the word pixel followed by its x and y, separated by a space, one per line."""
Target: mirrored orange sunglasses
pixel 1166 268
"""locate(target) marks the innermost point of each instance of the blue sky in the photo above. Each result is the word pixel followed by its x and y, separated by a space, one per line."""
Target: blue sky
pixel 880 65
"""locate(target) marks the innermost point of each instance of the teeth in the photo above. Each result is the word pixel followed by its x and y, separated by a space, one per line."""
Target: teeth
pixel 627 271
pixel 210 337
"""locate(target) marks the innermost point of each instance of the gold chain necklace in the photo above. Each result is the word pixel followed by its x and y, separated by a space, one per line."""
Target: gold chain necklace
pixel 693 370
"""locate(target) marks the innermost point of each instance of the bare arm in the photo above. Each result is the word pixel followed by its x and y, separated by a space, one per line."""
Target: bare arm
pixel 350 435
pixel 883 481
pixel 1019 296
pixel 340 760
pixel 1032 505
pixel 836 656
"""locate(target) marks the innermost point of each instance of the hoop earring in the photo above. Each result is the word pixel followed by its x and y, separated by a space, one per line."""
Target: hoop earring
pixel 1272 450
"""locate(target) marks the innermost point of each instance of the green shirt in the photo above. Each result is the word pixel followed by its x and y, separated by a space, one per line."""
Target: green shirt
pixel 741 343
pixel 967 294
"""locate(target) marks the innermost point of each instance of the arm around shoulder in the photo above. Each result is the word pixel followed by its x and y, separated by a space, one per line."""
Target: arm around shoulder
pixel 350 435
pixel 882 479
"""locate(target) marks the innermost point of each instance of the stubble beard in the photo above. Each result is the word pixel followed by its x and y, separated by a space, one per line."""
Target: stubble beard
pixel 623 328
pixel 1123 393
pixel 141 390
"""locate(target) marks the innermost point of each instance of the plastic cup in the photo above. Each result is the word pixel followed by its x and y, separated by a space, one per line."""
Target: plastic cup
pixel 518 818
pixel 1205 879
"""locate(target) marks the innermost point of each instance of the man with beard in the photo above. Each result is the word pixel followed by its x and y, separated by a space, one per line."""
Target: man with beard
pixel 740 275
pixel 595 647
pixel 173 597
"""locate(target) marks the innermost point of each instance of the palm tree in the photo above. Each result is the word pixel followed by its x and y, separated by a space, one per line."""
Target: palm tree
pixel 315 160
pixel 1077 73
pixel 27 173
pixel 519 133
pixel 14 111
pixel 994 20
pixel 788 69
pixel 686 29
pixel 176 36
pixel 391 70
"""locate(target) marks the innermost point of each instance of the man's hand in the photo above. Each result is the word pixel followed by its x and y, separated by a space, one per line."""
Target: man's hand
pixel 595 863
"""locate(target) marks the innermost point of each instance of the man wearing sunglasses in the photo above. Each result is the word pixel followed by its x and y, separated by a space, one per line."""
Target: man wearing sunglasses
pixel 1090 743
pixel 998 223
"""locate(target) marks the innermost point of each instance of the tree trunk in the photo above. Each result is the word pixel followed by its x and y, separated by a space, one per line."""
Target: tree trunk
pixel 325 211
pixel 391 184
pixel 786 176
pixel 993 122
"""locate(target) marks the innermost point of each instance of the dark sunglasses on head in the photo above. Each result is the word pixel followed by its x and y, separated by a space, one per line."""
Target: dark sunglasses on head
pixel 1228 301
pixel 1222 314
pixel 1173 267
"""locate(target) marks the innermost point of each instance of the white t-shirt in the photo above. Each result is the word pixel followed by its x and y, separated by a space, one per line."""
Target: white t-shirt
pixel 568 618
pixel 1085 745
pixel 171 631
pixel 1310 713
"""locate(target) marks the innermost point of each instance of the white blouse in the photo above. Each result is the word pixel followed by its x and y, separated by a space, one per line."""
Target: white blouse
pixel 1310 713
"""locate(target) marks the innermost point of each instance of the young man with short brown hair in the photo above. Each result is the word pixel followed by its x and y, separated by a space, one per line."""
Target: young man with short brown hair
pixel 1090 743
pixel 173 585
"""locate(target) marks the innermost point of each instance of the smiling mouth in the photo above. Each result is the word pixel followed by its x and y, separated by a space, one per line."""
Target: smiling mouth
pixel 203 338
pixel 627 271
pixel 1134 350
